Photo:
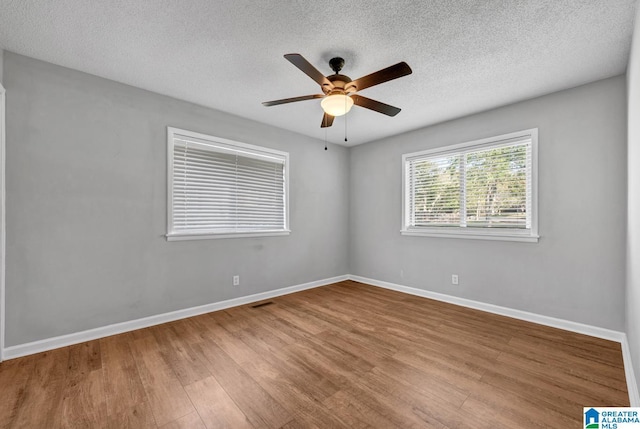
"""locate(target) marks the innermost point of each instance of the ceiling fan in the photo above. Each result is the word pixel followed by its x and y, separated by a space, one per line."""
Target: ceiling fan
pixel 340 92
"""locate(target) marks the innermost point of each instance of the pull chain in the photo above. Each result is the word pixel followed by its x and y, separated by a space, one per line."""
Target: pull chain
pixel 345 119
pixel 325 138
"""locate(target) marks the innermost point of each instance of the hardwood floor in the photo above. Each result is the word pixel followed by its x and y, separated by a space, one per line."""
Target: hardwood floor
pixel 347 355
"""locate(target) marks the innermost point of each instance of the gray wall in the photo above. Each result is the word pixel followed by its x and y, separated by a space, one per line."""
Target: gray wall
pixel 86 207
pixel 1 61
pixel 576 270
pixel 633 195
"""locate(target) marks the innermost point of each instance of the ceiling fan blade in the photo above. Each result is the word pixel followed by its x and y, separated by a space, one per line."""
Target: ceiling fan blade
pixel 327 121
pixel 291 100
pixel 306 67
pixel 368 103
pixel 381 76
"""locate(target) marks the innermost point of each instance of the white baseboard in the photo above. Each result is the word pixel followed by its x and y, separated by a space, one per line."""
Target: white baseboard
pixel 567 325
pixel 632 386
pixel 118 328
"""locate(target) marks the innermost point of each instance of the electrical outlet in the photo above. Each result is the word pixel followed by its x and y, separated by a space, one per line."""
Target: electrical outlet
pixel 236 280
pixel 454 279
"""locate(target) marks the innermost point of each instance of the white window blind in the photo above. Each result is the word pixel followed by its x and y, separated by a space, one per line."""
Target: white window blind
pixel 219 188
pixel 480 189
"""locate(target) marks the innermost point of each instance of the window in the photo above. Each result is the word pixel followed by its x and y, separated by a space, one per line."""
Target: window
pixel 219 188
pixel 482 189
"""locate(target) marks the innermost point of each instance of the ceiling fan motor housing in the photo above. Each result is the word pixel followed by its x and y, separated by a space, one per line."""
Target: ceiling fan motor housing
pixel 341 84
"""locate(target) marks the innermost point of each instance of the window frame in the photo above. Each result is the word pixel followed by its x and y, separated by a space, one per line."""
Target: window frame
pixel 260 151
pixel 504 234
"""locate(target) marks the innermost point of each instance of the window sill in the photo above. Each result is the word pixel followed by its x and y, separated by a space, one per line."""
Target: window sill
pixel 504 236
pixel 182 236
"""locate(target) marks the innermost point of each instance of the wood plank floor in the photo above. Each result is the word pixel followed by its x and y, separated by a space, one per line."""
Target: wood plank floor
pixel 347 355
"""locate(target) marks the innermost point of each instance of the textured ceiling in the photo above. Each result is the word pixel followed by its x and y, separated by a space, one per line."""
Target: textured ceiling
pixel 467 56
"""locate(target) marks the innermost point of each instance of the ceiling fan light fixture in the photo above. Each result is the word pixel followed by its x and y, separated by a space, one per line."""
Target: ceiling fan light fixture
pixel 336 104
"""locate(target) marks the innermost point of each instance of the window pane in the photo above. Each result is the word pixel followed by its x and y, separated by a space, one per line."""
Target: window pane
pixel 483 189
pixel 496 188
pixel 435 191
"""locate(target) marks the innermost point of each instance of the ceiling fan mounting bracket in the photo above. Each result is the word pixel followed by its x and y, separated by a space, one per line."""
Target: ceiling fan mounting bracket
pixel 336 64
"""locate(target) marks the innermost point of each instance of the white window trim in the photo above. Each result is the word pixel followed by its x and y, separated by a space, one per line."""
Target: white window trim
pixel 173 235
pixel 502 234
